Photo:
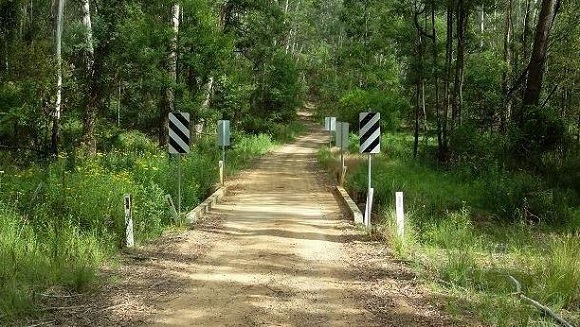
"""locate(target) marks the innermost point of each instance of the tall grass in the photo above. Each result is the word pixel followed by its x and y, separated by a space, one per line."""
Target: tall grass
pixel 34 260
pixel 468 232
pixel 60 221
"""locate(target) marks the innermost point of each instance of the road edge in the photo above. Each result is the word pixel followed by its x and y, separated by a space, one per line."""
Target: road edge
pixel 352 207
pixel 203 208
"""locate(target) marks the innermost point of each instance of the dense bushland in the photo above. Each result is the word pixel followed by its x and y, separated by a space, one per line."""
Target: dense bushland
pixel 472 224
pixel 61 220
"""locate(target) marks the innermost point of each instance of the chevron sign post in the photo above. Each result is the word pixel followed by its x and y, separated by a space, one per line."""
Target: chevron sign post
pixel 370 132
pixel 179 144
pixel 370 143
pixel 179 132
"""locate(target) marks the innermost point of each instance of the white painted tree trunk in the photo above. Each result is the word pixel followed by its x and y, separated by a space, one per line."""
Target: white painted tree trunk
pixel 86 12
pixel 175 10
pixel 90 119
pixel 58 105
pixel 169 98
pixel 482 25
pixel 208 94
pixel 59 27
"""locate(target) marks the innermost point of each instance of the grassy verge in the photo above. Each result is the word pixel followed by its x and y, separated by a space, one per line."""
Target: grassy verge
pixel 59 222
pixel 466 234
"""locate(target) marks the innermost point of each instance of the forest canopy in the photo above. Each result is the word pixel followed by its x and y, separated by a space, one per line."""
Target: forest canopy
pixel 482 86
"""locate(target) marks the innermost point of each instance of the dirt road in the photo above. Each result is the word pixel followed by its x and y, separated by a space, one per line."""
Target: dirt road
pixel 278 251
pixel 281 258
pixel 282 262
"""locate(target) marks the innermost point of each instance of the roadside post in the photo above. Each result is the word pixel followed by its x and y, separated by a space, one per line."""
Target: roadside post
pixel 223 141
pixel 1 173
pixel 128 205
pixel 221 164
pixel 370 143
pixel 171 206
pixel 342 143
pixel 330 126
pixel 179 138
pixel 400 214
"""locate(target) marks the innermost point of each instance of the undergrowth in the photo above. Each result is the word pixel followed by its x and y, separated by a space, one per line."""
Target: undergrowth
pixel 468 232
pixel 60 221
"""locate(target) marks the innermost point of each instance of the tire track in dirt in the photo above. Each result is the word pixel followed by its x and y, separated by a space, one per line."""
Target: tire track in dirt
pixel 282 261
pixel 276 251
pixel 285 258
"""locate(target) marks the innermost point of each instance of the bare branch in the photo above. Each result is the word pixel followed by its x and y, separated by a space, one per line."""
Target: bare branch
pixel 537 304
pixel 416 14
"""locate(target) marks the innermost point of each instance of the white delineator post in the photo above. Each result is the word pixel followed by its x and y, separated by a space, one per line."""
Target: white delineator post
pixel 129 239
pixel 179 184
pixel 400 214
pixel 370 194
pixel 223 131
pixel 369 207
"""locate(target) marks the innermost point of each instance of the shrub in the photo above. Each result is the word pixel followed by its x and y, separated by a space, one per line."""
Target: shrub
pixel 558 276
pixel 389 104
pixel 36 258
pixel 135 142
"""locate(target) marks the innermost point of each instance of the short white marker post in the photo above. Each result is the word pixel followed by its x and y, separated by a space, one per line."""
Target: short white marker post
pixel 221 165
pixel 369 208
pixel 129 239
pixel 1 173
pixel 400 214
pixel 224 132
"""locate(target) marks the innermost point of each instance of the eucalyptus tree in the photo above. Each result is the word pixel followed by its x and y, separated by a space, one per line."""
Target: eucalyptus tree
pixel 536 67
pixel 91 102
pixel 58 105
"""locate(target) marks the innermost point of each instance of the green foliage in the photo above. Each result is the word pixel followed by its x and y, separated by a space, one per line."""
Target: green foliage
pixel 556 277
pixel 475 151
pixel 525 197
pixel 248 147
pixel 324 157
pixel 389 103
pixel 453 237
pixel 60 221
pixel 483 74
pixel 406 246
pixel 135 142
pixel 541 131
pixel 278 93
pixel 35 258
pixel 454 231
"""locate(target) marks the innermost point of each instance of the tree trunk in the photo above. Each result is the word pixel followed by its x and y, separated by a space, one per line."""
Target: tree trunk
pixel 578 129
pixel 436 77
pixel 91 105
pixel 168 104
pixel 526 31
pixel 418 86
pixel 539 52
pixel 457 103
pixel 58 105
pixel 443 147
pixel 481 25
pixel 506 76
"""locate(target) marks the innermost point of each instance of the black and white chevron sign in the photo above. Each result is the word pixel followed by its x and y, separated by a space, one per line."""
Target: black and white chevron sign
pixel 370 132
pixel 178 132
